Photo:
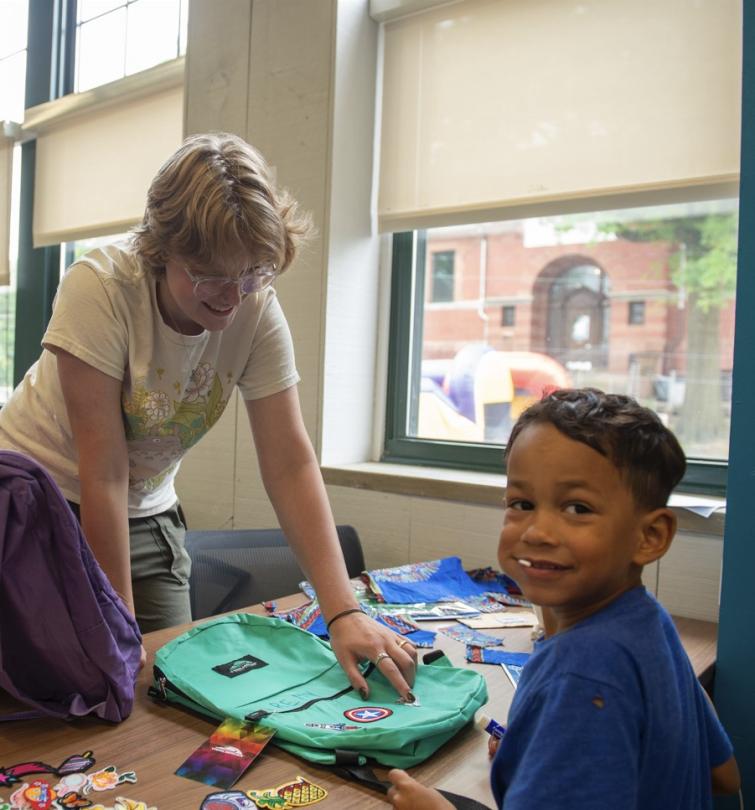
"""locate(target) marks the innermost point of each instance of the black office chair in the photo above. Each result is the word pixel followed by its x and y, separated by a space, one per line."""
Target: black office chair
pixel 235 568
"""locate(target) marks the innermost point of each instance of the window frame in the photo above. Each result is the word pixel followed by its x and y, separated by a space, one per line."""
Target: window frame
pixel 77 26
pixel 409 249
pixel 49 75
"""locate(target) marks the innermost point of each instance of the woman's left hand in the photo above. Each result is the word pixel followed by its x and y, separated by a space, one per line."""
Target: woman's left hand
pixel 357 637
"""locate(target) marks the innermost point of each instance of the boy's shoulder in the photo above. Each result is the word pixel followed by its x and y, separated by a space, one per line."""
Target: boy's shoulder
pixel 616 643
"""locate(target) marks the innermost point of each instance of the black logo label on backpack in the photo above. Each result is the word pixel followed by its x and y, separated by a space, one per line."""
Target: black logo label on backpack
pixel 239 666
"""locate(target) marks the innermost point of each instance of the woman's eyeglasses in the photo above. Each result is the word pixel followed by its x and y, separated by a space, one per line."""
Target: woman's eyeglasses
pixel 206 287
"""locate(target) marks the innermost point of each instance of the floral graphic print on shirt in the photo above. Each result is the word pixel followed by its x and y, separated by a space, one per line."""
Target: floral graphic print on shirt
pixel 161 430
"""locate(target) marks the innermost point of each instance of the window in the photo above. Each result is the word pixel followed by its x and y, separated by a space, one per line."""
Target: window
pixel 74 46
pixel 442 270
pixel 474 373
pixel 13 32
pixel 508 187
pixel 13 22
pixel 73 251
pixel 636 313
pixel 115 38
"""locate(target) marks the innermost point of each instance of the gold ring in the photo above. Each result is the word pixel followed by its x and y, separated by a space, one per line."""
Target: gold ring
pixel 380 657
pixel 405 641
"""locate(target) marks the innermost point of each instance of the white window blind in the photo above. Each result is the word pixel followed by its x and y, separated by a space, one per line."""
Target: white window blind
pixel 98 151
pixel 501 108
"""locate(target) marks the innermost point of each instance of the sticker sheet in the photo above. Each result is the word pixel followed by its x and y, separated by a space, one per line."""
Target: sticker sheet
pixel 308 617
pixel 222 759
pixel 418 637
pixel 502 620
pixel 431 581
pixel 478 655
pixel 468 636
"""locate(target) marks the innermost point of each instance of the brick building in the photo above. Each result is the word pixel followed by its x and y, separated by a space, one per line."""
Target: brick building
pixel 606 308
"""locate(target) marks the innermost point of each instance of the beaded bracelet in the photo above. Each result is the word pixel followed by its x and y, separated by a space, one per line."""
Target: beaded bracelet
pixel 341 615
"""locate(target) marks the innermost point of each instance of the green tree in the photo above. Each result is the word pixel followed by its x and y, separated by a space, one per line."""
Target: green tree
pixel 704 267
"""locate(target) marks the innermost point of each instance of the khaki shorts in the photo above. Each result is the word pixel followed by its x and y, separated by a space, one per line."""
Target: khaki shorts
pixel 160 568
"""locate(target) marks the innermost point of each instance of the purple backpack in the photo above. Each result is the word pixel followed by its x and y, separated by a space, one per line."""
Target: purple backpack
pixel 68 645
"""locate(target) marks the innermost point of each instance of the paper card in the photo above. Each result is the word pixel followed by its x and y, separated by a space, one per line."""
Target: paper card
pixel 513 673
pixel 444 610
pixel 491 621
pixel 229 751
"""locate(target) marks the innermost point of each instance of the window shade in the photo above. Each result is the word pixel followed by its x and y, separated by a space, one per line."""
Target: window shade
pixel 6 176
pixel 93 167
pixel 501 108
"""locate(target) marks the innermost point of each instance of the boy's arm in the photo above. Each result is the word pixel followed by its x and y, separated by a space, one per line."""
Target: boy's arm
pixel 407 793
pixel 726 778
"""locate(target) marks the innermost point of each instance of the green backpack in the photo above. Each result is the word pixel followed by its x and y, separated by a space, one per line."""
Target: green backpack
pixel 270 671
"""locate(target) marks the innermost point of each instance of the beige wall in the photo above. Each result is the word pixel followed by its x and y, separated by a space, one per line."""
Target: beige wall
pixel 297 79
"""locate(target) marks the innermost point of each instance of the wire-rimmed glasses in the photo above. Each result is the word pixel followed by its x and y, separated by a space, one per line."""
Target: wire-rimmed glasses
pixel 206 287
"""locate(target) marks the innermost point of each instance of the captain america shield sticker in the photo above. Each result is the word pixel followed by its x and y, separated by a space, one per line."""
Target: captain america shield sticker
pixel 367 714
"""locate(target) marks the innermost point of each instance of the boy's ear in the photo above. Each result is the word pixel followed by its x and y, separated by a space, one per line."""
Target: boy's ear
pixel 657 531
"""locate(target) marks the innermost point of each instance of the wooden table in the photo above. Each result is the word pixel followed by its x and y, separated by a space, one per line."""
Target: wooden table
pixel 157 738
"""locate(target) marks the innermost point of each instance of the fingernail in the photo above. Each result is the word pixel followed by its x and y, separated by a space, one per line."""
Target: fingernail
pixel 363 693
pixel 410 697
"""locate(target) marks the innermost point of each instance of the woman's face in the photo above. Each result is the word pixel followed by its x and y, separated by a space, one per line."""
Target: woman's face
pixel 192 307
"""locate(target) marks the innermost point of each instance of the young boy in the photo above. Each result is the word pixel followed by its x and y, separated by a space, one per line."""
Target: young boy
pixel 608 712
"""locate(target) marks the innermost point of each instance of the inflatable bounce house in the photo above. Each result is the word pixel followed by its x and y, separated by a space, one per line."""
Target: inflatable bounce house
pixel 479 393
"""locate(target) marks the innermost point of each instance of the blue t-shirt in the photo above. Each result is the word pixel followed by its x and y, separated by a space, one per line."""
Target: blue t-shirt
pixel 609 714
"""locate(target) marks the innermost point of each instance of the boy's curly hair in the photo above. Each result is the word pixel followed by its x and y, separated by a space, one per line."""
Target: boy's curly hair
pixel 646 453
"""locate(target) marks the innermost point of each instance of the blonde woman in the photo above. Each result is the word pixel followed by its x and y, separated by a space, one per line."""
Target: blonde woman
pixel 147 341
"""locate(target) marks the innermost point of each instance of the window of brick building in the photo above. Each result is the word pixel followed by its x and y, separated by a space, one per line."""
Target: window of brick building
pixel 636 313
pixel 442 276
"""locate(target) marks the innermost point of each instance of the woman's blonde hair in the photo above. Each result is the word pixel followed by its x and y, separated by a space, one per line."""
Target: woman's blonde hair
pixel 213 196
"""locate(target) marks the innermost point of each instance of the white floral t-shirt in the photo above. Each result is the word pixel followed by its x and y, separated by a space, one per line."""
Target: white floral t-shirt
pixel 175 387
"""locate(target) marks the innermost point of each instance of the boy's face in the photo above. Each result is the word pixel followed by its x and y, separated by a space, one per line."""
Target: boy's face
pixel 571 529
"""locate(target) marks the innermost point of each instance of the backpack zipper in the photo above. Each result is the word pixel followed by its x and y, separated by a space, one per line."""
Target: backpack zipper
pixel 253 717
pixel 163 684
pixel 260 714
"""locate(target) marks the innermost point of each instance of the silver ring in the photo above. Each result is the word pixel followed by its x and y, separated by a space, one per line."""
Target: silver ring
pixel 380 657
pixel 405 641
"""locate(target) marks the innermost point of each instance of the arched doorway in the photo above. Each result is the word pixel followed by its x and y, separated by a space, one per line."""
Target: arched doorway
pixel 577 309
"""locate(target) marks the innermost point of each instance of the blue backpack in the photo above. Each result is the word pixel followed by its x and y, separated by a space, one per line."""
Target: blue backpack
pixel 68 645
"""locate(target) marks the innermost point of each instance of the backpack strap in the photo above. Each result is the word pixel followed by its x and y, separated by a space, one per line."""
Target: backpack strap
pixel 31 714
pixel 366 776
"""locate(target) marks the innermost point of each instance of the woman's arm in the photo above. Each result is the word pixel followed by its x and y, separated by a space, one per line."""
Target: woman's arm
pixel 294 484
pixel 93 402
